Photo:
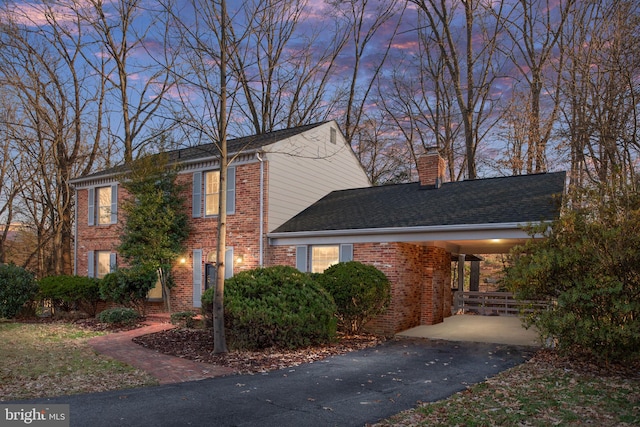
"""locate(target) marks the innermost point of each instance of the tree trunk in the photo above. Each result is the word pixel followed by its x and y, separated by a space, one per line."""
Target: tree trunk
pixel 219 339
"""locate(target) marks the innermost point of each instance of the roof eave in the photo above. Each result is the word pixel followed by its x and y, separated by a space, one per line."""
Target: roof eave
pixel 512 230
pixel 110 176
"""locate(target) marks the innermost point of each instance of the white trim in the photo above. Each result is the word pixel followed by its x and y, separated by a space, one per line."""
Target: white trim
pixel 185 166
pixel 511 230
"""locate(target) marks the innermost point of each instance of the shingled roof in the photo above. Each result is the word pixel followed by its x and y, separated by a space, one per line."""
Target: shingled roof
pixel 236 145
pixel 515 199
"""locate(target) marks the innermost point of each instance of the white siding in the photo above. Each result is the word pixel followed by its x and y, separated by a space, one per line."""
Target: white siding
pixel 306 168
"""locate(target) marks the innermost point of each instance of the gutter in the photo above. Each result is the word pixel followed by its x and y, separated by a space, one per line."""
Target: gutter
pixel 75 233
pixel 394 234
pixel 261 240
pixel 112 175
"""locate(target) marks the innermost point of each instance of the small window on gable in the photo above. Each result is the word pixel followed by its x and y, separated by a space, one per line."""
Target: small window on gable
pixel 333 137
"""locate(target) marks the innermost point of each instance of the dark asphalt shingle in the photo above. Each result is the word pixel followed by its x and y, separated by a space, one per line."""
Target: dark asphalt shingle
pixel 236 145
pixel 516 199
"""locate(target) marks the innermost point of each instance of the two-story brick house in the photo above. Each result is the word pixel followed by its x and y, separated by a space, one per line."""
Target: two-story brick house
pixel 271 178
pixel 300 197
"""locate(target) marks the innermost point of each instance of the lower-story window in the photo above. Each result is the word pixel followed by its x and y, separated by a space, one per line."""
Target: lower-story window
pixel 101 263
pixel 317 258
pixel 323 257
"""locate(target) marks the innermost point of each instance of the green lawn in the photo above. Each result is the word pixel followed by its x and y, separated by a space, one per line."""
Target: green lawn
pixel 44 360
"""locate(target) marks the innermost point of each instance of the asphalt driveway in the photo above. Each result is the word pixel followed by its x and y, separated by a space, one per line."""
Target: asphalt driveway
pixel 348 390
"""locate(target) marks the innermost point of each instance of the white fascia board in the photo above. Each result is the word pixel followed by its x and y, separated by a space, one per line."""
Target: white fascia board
pixel 511 230
pixel 90 180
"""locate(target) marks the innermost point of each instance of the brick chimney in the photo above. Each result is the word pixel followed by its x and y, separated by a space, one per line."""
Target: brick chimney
pixel 431 168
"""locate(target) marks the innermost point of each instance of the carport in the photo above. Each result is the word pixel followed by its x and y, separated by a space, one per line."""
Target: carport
pixel 474 328
pixel 411 232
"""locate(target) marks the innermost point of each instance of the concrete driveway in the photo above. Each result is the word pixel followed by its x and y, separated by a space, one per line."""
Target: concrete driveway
pixel 348 390
pixel 474 328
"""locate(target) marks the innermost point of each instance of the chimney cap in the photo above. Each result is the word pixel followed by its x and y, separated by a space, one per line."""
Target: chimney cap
pixel 432 150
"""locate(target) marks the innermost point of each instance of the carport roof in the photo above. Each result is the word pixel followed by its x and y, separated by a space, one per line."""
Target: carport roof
pixel 505 200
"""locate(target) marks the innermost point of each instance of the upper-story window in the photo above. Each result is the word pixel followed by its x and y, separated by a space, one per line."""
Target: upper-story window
pixel 333 135
pixel 103 205
pixel 211 192
pixel 206 192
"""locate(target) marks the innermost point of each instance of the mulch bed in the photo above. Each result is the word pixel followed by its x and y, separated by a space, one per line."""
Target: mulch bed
pixel 197 344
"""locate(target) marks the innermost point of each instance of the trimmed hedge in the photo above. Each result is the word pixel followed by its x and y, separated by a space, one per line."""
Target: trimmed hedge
pixel 119 315
pixel 129 286
pixel 274 307
pixel 71 292
pixel 17 288
pixel 360 292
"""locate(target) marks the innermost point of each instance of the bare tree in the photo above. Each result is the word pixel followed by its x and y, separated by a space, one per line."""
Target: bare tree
pixel 126 32
pixel 534 29
pixel 470 62
pixel 282 64
pixel 10 183
pixel 601 92
pixel 56 97
pixel 423 105
pixel 363 21
pixel 204 44
pixel 376 146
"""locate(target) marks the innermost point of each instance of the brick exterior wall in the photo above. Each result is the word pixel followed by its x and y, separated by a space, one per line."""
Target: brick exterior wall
pixel 420 276
pixel 420 282
pixel 242 234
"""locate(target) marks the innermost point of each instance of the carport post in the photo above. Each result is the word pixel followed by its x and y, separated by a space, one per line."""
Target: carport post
pixel 461 272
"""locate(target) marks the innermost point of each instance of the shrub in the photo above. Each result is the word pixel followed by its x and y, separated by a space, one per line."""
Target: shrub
pixel 129 286
pixel 184 318
pixel 360 291
pixel 274 307
pixel 17 288
pixel 588 269
pixel 71 292
pixel 119 315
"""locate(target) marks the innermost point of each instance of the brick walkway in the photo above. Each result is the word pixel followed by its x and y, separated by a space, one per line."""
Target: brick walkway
pixel 166 369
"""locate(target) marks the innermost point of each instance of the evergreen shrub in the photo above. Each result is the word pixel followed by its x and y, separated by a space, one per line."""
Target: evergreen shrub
pixel 274 307
pixel 129 286
pixel 68 293
pixel 119 316
pixel 17 288
pixel 360 292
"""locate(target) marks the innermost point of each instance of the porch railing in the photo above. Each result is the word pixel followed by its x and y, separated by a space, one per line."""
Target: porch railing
pixel 492 303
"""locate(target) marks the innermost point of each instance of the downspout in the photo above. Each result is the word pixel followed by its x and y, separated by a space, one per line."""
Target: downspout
pixel 75 233
pixel 261 245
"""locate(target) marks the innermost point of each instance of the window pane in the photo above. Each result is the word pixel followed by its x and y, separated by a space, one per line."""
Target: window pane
pixel 103 196
pixel 156 292
pixel 212 192
pixel 323 257
pixel 103 264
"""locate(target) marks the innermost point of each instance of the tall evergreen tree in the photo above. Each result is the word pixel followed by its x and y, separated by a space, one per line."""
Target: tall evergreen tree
pixel 156 226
